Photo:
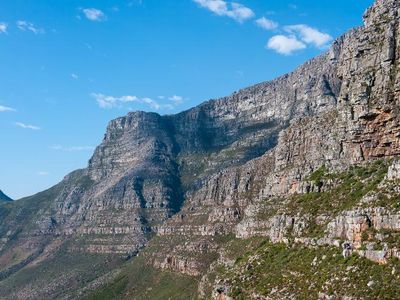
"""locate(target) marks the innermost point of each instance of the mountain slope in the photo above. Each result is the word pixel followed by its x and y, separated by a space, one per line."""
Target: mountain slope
pixel 304 160
pixel 4 197
pixel 147 164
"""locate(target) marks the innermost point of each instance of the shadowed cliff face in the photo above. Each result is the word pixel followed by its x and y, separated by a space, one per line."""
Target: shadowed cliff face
pixel 212 170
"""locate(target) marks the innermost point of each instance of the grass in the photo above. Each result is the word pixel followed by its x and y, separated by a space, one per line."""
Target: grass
pixel 61 274
pixel 139 280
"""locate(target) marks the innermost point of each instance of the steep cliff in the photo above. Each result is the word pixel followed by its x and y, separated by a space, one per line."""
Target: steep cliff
pixel 306 161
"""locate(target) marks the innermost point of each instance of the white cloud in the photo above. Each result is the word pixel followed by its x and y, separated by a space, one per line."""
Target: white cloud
pixel 285 45
pixel 74 76
pixel 107 102
pixel 298 38
pixel 3 27
pixel 240 12
pixel 234 10
pixel 309 35
pixel 43 173
pixel 28 26
pixel 94 14
pixel 266 24
pixel 5 108
pixel 176 99
pixel 27 126
pixel 72 148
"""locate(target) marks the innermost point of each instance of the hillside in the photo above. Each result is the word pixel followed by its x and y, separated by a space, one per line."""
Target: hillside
pixel 4 197
pixel 287 189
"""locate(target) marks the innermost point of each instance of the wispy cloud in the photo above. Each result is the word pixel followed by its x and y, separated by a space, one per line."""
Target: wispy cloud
pixel 27 126
pixel 266 24
pixel 43 173
pixel 309 35
pixel 107 102
pixel 88 46
pixel 74 76
pixel 94 14
pixel 285 45
pixel 72 148
pixel 28 26
pixel 234 10
pixel 176 99
pixel 3 27
pixel 134 2
pixel 152 103
pixel 5 108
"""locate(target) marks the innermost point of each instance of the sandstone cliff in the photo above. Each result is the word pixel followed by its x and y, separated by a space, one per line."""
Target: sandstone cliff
pixel 305 160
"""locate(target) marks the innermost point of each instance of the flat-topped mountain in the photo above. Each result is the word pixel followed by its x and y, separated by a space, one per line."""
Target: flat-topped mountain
pixel 210 203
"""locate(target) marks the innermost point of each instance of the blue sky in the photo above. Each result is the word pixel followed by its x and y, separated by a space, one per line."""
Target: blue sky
pixel 69 67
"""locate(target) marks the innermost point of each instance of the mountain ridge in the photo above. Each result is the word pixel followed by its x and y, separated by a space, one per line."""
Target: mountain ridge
pixel 305 160
pixel 4 197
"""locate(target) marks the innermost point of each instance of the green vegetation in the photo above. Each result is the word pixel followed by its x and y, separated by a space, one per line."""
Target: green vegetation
pixel 193 167
pixel 348 189
pixel 233 249
pixel 24 213
pixel 139 280
pixel 304 272
pixel 388 237
pixel 318 175
pixel 62 273
pixel 113 290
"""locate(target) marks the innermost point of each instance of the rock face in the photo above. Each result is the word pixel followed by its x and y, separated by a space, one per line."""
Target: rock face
pixel 233 166
pixel 148 164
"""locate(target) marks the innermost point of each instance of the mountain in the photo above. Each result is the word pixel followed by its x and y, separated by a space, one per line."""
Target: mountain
pixel 4 197
pixel 286 189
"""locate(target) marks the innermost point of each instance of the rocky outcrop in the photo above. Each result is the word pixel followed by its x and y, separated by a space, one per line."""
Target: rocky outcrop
pixel 394 172
pixel 368 100
pixel 351 225
pixel 181 264
pixel 212 170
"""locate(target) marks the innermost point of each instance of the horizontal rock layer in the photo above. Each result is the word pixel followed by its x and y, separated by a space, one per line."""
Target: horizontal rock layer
pixel 210 171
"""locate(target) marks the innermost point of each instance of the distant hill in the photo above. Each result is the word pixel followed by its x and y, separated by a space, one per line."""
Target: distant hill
pixel 4 197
